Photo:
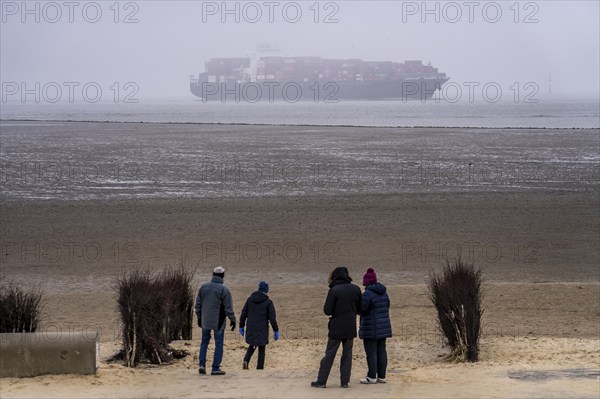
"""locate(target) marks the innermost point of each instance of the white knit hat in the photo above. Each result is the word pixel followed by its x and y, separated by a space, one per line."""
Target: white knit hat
pixel 219 270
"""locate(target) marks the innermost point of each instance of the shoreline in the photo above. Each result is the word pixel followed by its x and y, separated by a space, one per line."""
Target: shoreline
pixel 300 125
pixel 334 197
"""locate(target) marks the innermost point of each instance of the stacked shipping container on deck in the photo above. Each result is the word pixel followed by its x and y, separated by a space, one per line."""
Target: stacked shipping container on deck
pixel 313 69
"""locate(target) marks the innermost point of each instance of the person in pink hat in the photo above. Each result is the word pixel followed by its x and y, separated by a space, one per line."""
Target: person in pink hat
pixel 375 327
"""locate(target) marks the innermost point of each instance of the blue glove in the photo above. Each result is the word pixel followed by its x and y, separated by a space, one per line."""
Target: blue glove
pixel 276 335
pixel 242 331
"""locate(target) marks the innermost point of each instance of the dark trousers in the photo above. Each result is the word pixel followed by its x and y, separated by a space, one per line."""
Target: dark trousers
pixel 261 356
pixel 376 357
pixel 345 362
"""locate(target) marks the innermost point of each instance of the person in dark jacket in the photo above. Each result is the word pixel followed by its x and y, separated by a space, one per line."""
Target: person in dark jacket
pixel 259 311
pixel 343 304
pixel 375 327
pixel 213 305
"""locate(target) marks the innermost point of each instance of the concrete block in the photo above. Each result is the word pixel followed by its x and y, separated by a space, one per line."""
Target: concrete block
pixel 31 354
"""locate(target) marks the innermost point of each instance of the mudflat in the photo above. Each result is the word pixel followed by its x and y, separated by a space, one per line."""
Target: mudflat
pixel 537 246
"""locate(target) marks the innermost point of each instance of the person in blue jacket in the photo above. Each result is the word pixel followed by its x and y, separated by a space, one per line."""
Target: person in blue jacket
pixel 258 311
pixel 375 327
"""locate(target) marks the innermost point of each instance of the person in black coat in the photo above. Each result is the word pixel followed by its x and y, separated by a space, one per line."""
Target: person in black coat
pixel 342 305
pixel 259 311
pixel 375 327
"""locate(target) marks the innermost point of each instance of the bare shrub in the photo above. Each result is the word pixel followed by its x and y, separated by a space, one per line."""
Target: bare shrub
pixel 457 295
pixel 155 309
pixel 20 309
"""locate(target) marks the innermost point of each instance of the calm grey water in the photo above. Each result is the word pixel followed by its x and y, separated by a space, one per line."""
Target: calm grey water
pixel 47 160
pixel 548 112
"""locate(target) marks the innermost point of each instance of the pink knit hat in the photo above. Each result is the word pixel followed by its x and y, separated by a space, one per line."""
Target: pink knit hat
pixel 370 277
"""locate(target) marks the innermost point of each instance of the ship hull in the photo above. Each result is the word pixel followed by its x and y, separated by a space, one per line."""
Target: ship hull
pixel 413 89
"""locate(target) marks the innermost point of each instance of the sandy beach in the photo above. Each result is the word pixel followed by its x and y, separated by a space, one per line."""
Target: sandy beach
pixel 536 240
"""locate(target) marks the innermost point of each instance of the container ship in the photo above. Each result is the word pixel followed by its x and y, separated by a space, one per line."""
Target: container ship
pixel 292 79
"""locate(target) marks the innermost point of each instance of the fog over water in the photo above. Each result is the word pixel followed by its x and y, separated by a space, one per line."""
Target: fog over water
pixel 157 45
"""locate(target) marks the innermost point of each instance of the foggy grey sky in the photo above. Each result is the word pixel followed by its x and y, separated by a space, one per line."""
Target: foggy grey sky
pixel 171 41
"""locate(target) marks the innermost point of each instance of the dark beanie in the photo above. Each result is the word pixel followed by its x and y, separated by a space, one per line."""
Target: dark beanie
pixel 370 277
pixel 263 287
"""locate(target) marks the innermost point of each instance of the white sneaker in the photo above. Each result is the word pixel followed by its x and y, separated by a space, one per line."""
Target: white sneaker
pixel 368 380
pixel 381 380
